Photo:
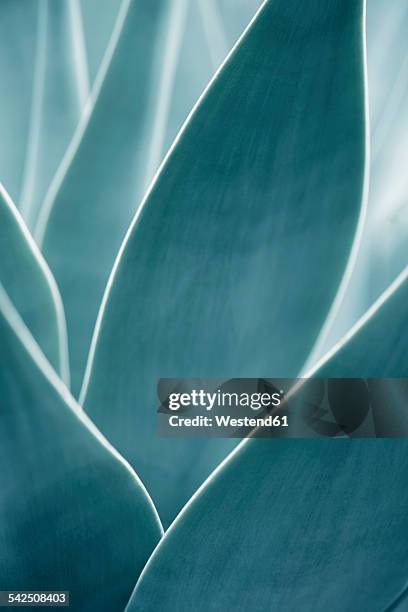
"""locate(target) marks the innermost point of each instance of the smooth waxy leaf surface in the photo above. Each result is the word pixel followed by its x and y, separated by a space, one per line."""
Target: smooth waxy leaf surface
pixel 98 22
pixel 18 24
pixel 177 55
pixel 298 524
pixel 188 63
pixel 28 281
pixel 235 16
pixel 382 253
pixel 221 274
pixel 388 87
pixel 73 515
pixel 210 30
pixel 97 189
pixel 59 92
pixel 399 604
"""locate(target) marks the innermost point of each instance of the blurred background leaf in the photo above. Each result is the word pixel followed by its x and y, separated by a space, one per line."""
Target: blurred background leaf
pixel 73 515
pixel 18 23
pixel 238 252
pixel 233 14
pixel 98 20
pixel 59 92
pixel 298 524
pixel 117 150
pixel 25 276
pixel 95 193
pixel 383 252
pixel 378 349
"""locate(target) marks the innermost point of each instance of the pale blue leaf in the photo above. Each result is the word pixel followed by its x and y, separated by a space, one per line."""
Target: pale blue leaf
pixel 298 524
pixel 73 515
pixel 99 184
pixel 25 276
pixel 235 16
pixel 98 18
pixel 238 251
pixel 177 55
pixel 383 253
pixel 18 23
pixel 60 91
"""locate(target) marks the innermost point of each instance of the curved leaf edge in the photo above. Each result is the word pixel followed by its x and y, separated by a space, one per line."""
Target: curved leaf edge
pixel 360 324
pixel 51 282
pixel 359 231
pixel 29 344
pixel 343 285
pixel 74 145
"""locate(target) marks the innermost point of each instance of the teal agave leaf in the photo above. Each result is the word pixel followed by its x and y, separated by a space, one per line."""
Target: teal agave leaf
pixel 28 281
pixel 298 524
pixel 378 350
pixel 177 53
pixel 98 22
pixel 189 60
pixel 382 253
pixel 399 604
pixel 234 15
pixel 59 93
pixel 98 186
pixel 73 515
pixel 232 264
pixel 18 21
pixel 389 138
pixel 211 28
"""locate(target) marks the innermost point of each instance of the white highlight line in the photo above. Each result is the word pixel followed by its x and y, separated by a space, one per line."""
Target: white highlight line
pixel 214 31
pixel 171 52
pixel 79 49
pixel 24 336
pixel 42 264
pixel 28 183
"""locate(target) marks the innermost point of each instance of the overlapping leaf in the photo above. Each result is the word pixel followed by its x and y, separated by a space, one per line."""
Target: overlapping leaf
pixel 382 253
pixel 59 92
pixel 98 186
pixel 298 524
pixel 98 22
pixel 28 281
pixel 18 24
pixel 241 244
pixel 235 14
pixel 73 515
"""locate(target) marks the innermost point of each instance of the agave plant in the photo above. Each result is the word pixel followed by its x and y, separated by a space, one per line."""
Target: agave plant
pixel 188 190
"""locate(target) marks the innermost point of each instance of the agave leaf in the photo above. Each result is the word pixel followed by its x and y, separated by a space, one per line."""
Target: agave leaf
pixel 378 350
pixel 73 515
pixel 18 22
pixel 382 253
pixel 172 98
pixel 60 90
pixel 235 16
pixel 214 30
pixel 221 274
pixel 97 188
pixel 389 138
pixel 98 22
pixel 298 524
pixel 28 281
pixel 42 95
pixel 176 62
pixel 399 603
pixel 204 45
